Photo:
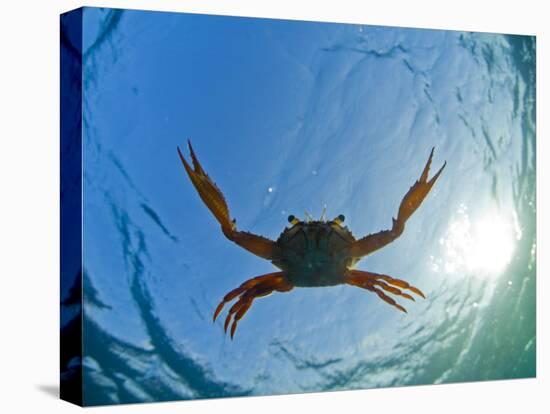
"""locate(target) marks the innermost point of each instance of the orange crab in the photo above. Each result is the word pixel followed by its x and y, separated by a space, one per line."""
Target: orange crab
pixel 310 253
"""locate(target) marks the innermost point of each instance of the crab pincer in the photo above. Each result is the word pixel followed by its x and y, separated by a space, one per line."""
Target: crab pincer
pixel 418 192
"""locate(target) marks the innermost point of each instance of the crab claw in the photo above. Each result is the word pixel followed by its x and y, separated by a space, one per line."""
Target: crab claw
pixel 409 204
pixel 212 196
pixel 417 193
pixel 208 191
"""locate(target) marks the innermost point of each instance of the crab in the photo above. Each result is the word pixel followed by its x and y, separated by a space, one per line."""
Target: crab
pixel 309 253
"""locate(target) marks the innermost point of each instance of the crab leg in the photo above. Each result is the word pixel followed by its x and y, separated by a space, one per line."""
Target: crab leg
pixel 247 292
pixel 396 282
pixel 382 295
pixel 362 275
pixel 238 310
pixel 370 281
pixel 392 289
pixel 387 299
pixel 250 283
pixel 212 196
pixel 411 201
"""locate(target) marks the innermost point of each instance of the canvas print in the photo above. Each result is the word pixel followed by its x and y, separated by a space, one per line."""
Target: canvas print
pixel 258 206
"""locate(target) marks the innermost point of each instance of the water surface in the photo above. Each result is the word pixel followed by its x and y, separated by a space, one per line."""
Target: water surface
pixel 289 116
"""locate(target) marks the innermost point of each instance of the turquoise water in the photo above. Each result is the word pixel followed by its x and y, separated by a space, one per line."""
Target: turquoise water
pixel 293 116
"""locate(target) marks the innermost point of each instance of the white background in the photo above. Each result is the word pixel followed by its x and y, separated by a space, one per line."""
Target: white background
pixel 29 205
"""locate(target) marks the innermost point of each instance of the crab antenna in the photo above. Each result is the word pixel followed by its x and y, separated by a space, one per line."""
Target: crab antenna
pixel 324 214
pixel 308 216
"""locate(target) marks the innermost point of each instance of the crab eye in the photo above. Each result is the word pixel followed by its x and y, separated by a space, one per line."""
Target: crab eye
pixel 293 220
pixel 339 220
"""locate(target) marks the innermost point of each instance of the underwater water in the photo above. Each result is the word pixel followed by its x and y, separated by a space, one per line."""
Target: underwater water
pixel 288 116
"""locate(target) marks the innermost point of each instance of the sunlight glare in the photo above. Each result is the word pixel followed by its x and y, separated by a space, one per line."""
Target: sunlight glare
pixel 484 245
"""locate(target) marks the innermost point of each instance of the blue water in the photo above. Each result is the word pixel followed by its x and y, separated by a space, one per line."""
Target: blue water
pixel 289 116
